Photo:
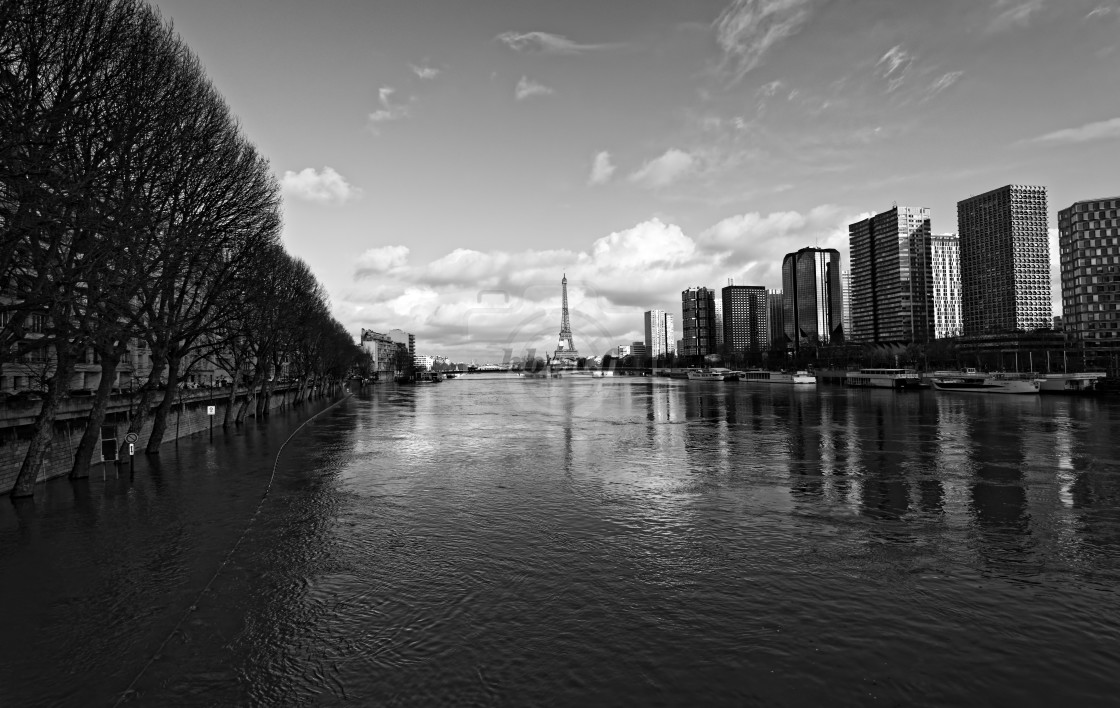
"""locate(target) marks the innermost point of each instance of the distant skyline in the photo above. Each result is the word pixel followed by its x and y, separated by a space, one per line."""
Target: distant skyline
pixel 444 163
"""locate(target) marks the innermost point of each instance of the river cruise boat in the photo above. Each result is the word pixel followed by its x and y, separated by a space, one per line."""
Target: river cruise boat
pixel 779 377
pixel 711 375
pixel 972 381
pixel 884 378
pixel 1085 383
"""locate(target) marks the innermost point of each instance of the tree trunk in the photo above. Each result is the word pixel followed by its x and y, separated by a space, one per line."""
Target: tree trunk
pixel 159 423
pixel 43 431
pixel 143 411
pixel 263 399
pixel 230 404
pixel 92 434
pixel 250 394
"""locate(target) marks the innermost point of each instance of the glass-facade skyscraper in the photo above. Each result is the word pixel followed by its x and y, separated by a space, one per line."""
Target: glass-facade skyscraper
pixel 812 297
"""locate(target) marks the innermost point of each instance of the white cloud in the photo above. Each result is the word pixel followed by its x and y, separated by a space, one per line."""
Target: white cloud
pixel 1014 13
pixel 526 88
pixel 768 90
pixel 893 66
pixel 747 29
pixel 389 110
pixel 1102 12
pixel 476 304
pixel 755 244
pixel 1100 130
pixel 546 43
pixel 381 260
pixel 424 72
pixel 664 170
pixel 601 168
pixel 325 187
pixel 942 82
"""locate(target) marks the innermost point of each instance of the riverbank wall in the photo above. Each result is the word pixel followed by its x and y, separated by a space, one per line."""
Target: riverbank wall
pixel 189 415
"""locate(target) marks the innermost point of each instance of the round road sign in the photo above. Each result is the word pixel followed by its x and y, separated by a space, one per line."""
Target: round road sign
pixel 131 438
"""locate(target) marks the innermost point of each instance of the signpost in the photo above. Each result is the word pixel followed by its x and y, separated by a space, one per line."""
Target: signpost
pixel 210 412
pixel 131 458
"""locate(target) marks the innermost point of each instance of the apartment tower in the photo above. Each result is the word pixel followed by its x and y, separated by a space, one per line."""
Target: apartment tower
pixel 1005 261
pixel 945 256
pixel 891 279
pixel 746 318
pixel 698 312
pixel 660 337
pixel 812 297
pixel 1089 252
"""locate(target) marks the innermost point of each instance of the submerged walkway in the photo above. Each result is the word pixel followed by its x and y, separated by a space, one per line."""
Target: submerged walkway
pixel 98 573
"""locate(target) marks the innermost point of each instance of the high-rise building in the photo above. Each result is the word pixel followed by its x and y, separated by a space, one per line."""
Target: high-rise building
pixel 1005 261
pixel 846 310
pixel 717 330
pixel 1089 252
pixel 945 257
pixel 891 289
pixel 660 337
pixel 698 310
pixel 746 318
pixel 811 297
pixel 775 303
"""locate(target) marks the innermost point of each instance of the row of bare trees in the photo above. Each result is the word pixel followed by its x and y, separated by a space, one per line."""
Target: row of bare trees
pixel 132 207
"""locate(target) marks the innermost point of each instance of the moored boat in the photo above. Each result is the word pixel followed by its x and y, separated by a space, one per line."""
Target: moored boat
pixel 778 377
pixel 704 375
pixel 884 378
pixel 972 381
pixel 1083 383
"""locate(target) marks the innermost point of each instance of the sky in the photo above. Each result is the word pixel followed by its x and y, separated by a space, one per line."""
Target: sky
pixel 445 163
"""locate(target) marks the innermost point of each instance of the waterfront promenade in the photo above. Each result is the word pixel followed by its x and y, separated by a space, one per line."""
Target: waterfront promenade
pixel 576 541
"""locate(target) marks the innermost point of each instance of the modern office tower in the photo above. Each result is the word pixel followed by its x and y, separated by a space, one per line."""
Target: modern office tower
pixel 717 330
pixel 812 297
pixel 1089 252
pixel 698 310
pixel 746 318
pixel 891 295
pixel 775 304
pixel 945 256
pixel 846 310
pixel 1005 261
pixel 660 338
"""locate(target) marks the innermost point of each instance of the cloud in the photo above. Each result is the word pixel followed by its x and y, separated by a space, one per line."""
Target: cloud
pixel 1090 132
pixel 1014 13
pixel 1102 12
pixel 747 29
pixel 768 90
pixel 325 187
pixel 381 260
pixel 664 170
pixel 601 168
pixel 546 43
pixel 424 72
pixel 893 66
pixel 477 304
pixel 526 88
pixel 754 244
pixel 942 82
pixel 389 111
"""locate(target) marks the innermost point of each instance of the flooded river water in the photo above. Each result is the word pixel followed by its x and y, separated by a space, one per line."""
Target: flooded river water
pixel 570 542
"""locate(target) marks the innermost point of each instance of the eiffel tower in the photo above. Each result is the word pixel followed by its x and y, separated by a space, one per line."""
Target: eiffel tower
pixel 566 349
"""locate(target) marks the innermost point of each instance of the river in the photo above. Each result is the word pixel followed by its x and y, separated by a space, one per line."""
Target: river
pixel 492 540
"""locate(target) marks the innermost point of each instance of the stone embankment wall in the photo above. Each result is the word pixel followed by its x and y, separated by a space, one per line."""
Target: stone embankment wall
pixel 188 416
